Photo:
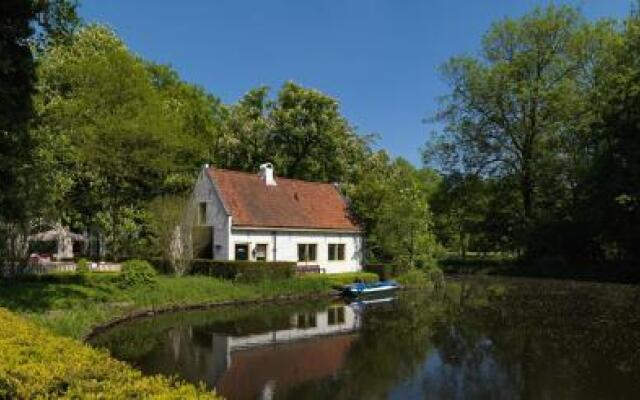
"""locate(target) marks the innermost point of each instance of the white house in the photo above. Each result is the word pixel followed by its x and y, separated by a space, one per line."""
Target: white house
pixel 256 217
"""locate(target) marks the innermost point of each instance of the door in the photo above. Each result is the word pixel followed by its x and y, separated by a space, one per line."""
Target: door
pixel 202 241
pixel 242 251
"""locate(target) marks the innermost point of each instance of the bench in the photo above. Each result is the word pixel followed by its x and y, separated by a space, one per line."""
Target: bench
pixel 308 269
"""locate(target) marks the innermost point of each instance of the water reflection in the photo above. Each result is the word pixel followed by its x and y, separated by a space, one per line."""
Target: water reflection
pixel 250 356
pixel 479 338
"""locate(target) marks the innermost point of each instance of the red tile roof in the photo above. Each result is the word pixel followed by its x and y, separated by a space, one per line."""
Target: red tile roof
pixel 288 364
pixel 291 204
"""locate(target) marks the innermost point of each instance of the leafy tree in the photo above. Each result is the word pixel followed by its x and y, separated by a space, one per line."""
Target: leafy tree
pixel 58 20
pixel 106 138
pixel 611 200
pixel 197 120
pixel 517 112
pixel 245 143
pixel 19 201
pixel 310 138
pixel 301 131
pixel 391 199
pixel 170 232
pixel 17 75
pixel 460 207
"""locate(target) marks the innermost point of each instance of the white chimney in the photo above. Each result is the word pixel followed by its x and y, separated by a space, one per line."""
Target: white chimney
pixel 266 172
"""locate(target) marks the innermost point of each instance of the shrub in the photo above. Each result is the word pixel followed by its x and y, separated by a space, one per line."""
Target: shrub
pixel 436 276
pixel 38 364
pixel 386 271
pixel 82 266
pixel 137 273
pixel 422 278
pixel 244 271
pixel 414 277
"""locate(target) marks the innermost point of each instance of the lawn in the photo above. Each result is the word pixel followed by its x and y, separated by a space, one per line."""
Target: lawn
pixel 71 304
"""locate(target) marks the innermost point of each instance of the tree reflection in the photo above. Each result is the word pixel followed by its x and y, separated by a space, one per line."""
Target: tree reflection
pixel 477 338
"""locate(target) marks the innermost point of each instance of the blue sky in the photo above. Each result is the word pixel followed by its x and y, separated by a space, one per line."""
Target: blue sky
pixel 380 58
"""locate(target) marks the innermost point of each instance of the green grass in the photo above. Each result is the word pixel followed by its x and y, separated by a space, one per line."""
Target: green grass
pixel 341 279
pixel 71 305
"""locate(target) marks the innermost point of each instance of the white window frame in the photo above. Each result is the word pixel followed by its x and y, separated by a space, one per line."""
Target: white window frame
pixel 307 261
pixel 337 252
pixel 266 251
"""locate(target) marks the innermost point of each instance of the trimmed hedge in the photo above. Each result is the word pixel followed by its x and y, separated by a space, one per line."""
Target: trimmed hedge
pixel 67 277
pixel 386 271
pixel 37 364
pixel 245 271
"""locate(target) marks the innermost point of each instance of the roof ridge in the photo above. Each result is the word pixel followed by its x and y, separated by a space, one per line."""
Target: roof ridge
pixel 235 171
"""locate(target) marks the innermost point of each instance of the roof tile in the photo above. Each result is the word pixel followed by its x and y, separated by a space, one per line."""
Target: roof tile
pixel 291 204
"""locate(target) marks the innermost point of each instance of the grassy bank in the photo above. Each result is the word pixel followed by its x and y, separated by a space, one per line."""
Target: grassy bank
pixel 40 357
pixel 71 304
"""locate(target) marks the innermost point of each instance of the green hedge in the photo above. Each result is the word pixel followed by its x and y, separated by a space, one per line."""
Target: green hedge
pixel 67 277
pixel 386 271
pixel 37 364
pixel 246 271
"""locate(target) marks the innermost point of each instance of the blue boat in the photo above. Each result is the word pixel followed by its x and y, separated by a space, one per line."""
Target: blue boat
pixel 361 288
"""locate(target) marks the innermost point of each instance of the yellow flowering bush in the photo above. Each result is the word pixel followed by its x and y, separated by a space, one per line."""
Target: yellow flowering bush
pixel 35 363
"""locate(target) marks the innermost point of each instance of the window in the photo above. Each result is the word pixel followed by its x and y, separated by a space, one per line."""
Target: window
pixel 335 315
pixel 202 213
pixel 306 320
pixel 306 252
pixel 261 252
pixel 336 252
pixel 242 251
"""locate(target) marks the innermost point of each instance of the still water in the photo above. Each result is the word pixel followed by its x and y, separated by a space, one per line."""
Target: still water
pixel 479 338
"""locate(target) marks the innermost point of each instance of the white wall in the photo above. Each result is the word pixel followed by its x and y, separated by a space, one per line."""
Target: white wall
pixel 216 215
pixel 287 246
pixel 225 236
pixel 351 323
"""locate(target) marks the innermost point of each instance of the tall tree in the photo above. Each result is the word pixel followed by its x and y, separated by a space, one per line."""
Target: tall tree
pixel 301 131
pixel 511 110
pixel 17 76
pixel 245 142
pixel 311 139
pixel 460 207
pixel 106 138
pixel 198 122
pixel 612 190
pixel 391 199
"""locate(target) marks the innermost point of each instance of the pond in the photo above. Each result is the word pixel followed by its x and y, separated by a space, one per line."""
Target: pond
pixel 478 338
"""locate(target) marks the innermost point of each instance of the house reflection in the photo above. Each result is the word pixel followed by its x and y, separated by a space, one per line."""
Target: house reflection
pixel 308 346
